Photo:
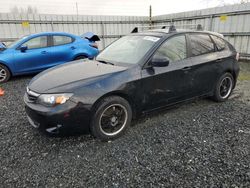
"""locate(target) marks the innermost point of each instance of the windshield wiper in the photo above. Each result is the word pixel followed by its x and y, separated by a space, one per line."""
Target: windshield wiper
pixel 105 62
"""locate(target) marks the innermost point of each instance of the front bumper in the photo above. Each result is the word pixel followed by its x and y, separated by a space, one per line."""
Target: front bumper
pixel 68 118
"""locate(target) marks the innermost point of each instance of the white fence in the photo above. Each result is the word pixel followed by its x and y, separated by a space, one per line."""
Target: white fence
pixel 109 28
pixel 232 21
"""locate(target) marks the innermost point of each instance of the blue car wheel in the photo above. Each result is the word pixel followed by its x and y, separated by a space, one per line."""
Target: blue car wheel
pixel 4 74
pixel 80 57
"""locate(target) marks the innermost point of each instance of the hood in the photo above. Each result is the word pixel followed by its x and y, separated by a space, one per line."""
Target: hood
pixel 71 73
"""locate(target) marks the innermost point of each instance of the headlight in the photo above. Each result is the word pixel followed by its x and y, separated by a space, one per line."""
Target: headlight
pixel 53 99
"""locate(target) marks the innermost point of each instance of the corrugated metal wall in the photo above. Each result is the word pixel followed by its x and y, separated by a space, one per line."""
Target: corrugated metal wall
pixel 109 28
pixel 232 21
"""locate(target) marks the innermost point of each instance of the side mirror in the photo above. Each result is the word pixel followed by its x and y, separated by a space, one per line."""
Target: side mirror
pixel 23 48
pixel 159 62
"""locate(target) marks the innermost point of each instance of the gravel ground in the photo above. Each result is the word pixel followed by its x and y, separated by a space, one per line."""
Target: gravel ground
pixel 200 144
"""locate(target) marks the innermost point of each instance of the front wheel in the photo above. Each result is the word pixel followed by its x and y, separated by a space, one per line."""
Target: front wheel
pixel 224 87
pixel 4 74
pixel 112 117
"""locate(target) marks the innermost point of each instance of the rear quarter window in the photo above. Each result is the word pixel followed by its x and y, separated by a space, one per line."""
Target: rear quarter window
pixel 220 43
pixel 60 40
pixel 201 44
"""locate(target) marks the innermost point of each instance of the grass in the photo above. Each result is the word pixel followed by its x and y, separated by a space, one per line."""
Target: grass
pixel 244 76
pixel 244 71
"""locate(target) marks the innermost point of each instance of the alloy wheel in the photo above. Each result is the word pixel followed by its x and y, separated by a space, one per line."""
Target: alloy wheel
pixel 3 74
pixel 113 119
pixel 226 86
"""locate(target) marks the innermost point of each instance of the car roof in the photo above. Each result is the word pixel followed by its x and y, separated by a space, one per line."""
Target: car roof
pixel 50 33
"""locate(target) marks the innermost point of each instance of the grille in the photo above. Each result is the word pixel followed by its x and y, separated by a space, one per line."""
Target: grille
pixel 32 96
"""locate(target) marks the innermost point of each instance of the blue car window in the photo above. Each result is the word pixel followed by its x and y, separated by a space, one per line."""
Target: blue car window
pixel 60 40
pixel 38 42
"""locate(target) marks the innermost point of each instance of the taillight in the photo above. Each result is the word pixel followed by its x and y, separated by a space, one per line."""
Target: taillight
pixel 94 45
pixel 237 57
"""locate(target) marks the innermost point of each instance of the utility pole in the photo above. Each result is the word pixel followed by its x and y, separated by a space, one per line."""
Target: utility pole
pixel 150 16
pixel 77 14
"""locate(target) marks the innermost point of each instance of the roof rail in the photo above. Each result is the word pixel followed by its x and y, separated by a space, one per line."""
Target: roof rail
pixel 171 28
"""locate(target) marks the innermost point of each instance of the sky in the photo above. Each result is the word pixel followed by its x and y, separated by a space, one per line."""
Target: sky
pixel 112 7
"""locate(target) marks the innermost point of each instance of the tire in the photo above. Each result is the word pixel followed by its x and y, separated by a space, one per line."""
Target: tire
pixel 223 88
pixel 111 118
pixel 4 74
pixel 80 57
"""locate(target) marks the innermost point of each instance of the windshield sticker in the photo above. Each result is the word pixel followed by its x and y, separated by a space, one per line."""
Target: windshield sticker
pixel 154 39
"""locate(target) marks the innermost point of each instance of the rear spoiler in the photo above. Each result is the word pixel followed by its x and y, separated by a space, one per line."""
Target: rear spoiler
pixel 2 45
pixel 90 36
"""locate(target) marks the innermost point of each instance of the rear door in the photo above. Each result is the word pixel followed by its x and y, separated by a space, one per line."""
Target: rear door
pixel 204 59
pixel 35 58
pixel 63 48
pixel 165 85
pixel 225 55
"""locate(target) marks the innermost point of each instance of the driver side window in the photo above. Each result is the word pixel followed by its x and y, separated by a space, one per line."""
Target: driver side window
pixel 38 42
pixel 174 49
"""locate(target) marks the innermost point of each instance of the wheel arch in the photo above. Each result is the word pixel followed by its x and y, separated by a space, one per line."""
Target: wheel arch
pixel 233 74
pixel 81 54
pixel 4 64
pixel 119 94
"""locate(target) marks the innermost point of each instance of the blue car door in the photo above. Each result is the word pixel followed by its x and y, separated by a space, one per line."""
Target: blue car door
pixel 63 48
pixel 33 55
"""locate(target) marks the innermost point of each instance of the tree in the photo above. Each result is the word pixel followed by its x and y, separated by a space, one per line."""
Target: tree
pixel 244 1
pixel 21 10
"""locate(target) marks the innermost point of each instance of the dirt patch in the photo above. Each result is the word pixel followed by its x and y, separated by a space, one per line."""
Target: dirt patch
pixel 242 90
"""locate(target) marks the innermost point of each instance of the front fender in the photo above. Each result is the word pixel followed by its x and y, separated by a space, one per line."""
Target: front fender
pixel 6 59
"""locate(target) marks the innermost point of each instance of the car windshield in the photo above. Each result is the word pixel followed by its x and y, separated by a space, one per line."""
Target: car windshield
pixel 127 50
pixel 12 44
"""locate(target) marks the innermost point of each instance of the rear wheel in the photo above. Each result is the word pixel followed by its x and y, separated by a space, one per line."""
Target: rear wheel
pixel 112 117
pixel 4 74
pixel 223 87
pixel 80 57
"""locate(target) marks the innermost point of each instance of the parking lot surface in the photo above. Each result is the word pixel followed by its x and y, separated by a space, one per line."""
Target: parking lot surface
pixel 197 144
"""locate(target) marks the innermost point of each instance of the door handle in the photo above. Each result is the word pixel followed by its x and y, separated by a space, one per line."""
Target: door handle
pixel 73 47
pixel 219 60
pixel 186 68
pixel 44 52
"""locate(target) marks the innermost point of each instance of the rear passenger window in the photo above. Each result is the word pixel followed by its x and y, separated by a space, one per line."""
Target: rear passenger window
pixel 220 43
pixel 173 49
pixel 60 40
pixel 201 44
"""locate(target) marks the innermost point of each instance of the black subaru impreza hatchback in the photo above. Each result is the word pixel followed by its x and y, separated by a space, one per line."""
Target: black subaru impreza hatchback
pixel 136 74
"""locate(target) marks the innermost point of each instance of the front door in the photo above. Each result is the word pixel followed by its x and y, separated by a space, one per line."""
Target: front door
pixel 166 85
pixel 35 58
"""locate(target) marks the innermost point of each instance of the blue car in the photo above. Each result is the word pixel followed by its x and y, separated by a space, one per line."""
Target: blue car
pixel 37 52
